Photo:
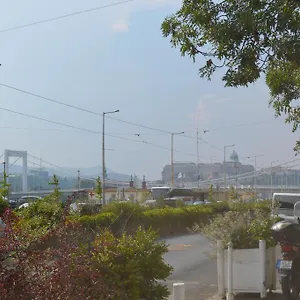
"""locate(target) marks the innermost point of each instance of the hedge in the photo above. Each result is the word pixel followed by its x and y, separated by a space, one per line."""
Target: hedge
pixel 128 217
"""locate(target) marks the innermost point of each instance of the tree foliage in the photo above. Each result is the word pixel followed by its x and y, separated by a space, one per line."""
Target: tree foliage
pixel 245 39
pixel 98 188
pixel 211 193
pixel 55 183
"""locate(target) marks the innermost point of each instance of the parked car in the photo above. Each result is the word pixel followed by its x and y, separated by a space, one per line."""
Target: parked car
pixel 24 205
pixel 198 203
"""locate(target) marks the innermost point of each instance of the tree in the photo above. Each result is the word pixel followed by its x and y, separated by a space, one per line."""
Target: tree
pixel 98 188
pixel 4 190
pixel 211 193
pixel 246 39
pixel 233 194
pixel 55 182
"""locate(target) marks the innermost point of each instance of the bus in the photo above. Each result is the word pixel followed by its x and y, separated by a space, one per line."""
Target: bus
pixel 283 204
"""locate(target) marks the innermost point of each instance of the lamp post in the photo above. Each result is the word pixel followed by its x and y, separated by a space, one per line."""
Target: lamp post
pixel 78 178
pixel 255 169
pixel 103 153
pixel 224 166
pixel 172 154
pixel 272 162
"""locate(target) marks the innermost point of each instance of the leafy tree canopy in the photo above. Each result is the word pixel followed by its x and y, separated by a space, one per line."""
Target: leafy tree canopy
pixel 245 39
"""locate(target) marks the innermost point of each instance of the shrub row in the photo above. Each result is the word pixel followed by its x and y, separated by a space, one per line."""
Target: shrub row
pixel 128 217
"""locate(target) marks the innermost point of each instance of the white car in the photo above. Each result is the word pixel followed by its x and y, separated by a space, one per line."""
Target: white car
pixel 24 205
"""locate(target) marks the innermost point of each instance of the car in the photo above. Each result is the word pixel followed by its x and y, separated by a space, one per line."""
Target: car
pixel 25 199
pixel 24 205
pixel 198 203
pixel 13 203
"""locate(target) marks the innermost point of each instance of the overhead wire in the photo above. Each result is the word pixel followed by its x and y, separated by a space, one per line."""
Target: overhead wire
pixel 67 15
pixel 101 114
pixel 251 174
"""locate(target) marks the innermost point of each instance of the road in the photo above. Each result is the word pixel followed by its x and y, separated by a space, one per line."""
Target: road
pixel 188 255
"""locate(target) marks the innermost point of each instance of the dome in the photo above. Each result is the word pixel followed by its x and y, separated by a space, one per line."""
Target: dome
pixel 234 157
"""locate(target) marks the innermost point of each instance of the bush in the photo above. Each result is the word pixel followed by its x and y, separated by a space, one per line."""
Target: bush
pixel 129 216
pixel 90 209
pixel 3 206
pixel 135 263
pixel 65 271
pixel 74 266
pixel 40 217
pixel 244 225
pixel 124 208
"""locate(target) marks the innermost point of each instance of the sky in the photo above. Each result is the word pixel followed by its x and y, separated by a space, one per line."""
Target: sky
pixel 116 58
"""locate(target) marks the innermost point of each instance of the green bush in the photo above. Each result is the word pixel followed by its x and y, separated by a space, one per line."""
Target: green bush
pixel 90 209
pixel 129 216
pixel 244 225
pixel 134 263
pixel 40 216
pixel 124 208
pixel 101 220
pixel 3 205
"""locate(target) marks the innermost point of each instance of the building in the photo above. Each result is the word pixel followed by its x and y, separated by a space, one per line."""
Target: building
pixel 190 172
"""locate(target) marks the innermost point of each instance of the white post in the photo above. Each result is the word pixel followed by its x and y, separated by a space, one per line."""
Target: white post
pixel 178 291
pixel 230 272
pixel 262 254
pixel 220 267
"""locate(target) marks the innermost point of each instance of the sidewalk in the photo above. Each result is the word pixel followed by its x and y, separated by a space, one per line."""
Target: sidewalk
pixel 277 295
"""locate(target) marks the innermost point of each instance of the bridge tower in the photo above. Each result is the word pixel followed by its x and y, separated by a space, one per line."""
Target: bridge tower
pixel 23 155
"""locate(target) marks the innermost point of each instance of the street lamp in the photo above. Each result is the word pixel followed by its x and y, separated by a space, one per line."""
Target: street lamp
pixel 78 178
pixel 198 168
pixel 255 168
pixel 224 166
pixel 172 153
pixel 272 162
pixel 103 153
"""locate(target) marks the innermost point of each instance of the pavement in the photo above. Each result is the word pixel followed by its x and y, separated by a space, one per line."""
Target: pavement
pixel 277 295
pixel 188 255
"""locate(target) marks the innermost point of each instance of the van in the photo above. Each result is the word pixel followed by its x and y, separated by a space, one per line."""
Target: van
pixel 283 205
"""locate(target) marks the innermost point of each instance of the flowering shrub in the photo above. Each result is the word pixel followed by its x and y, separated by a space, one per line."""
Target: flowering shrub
pixel 64 261
pixel 244 225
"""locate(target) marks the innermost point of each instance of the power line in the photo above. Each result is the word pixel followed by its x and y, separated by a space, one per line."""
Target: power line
pixel 66 15
pixel 49 121
pixel 240 125
pixel 91 131
pixel 100 114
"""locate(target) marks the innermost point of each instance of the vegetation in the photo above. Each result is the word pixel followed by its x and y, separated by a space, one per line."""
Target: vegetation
pixel 47 254
pixel 55 183
pixel 243 225
pixel 4 192
pixel 246 39
pixel 211 193
pixel 233 193
pixel 98 188
pixel 129 216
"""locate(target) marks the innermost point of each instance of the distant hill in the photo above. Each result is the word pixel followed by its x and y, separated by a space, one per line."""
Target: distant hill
pixel 92 172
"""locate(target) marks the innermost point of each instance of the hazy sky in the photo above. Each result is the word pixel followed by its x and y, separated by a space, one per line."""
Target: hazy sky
pixel 116 58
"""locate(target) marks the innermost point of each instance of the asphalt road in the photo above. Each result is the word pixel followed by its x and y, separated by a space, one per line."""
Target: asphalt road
pixel 189 257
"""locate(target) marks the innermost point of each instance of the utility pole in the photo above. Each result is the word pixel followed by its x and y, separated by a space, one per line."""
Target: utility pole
pixel 40 175
pixel 103 153
pixel 224 166
pixel 172 155
pixel 198 171
pixel 272 176
pixel 78 178
pixel 255 171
